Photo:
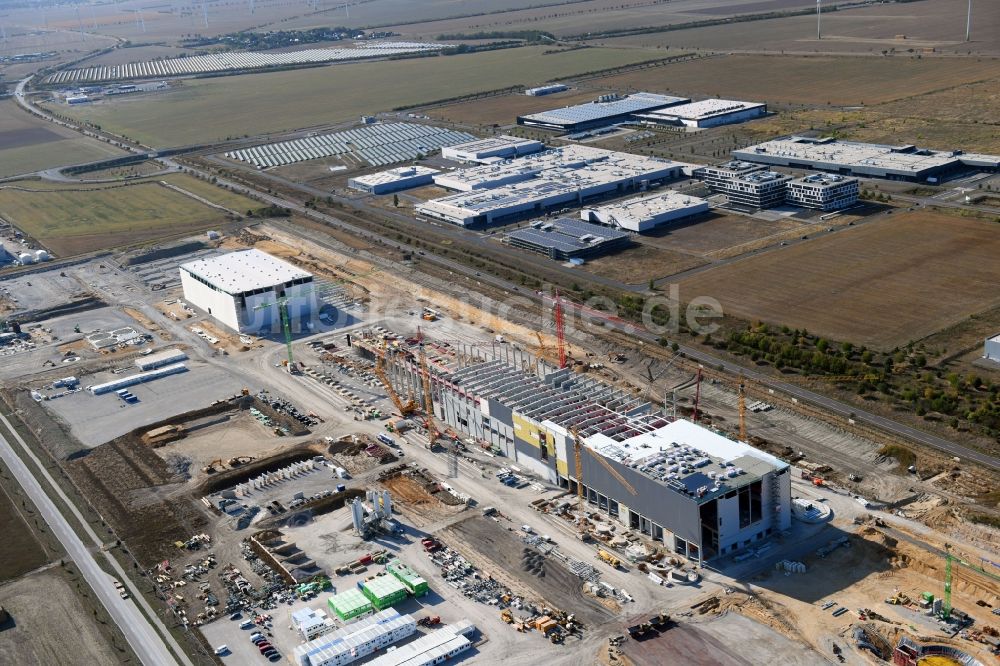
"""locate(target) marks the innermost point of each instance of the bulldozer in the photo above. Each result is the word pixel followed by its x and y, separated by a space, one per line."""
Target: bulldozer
pixel 507 616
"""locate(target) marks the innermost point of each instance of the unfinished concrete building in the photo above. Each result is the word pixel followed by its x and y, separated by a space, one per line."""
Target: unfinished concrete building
pixel 698 492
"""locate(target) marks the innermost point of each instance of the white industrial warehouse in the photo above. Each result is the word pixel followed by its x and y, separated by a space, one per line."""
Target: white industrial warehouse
pixel 603 111
pixel 850 158
pixel 646 212
pixel 706 113
pixel 571 175
pixel 393 180
pixel 492 149
pixel 245 290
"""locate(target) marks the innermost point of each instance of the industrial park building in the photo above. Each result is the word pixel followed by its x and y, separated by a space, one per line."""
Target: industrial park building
pixel 493 149
pixel 241 290
pixel 992 349
pixel 528 186
pixel 745 185
pixel 849 158
pixel 605 110
pixel 566 238
pixel 394 180
pixel 546 90
pixel 646 212
pixel 824 192
pixel 698 492
pixel 706 113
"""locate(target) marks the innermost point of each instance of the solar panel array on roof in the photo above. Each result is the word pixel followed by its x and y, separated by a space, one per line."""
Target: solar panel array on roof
pixel 610 107
pixel 566 237
pixel 378 145
pixel 235 60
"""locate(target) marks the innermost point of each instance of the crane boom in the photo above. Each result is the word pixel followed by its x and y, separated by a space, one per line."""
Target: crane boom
pixel 604 463
pixel 425 380
pixel 742 396
pixel 560 331
pixel 405 408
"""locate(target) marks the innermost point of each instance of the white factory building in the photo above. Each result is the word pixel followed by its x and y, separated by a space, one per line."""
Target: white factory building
pixel 526 186
pixel 394 180
pixel 871 160
pixel 992 349
pixel 706 113
pixel 540 91
pixel 646 212
pixel 241 290
pixel 491 149
pixel 823 191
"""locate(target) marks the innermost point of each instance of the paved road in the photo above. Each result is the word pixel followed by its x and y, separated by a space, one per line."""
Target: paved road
pixel 142 638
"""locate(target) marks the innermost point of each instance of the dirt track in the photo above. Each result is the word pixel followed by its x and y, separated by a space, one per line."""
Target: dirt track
pixel 503 549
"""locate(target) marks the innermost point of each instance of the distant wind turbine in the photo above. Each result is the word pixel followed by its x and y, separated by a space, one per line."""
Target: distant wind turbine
pixel 819 16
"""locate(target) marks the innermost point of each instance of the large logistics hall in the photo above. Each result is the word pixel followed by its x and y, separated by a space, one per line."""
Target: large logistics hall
pixel 528 186
pixel 605 110
pixel 241 290
pixel 871 160
pixel 698 492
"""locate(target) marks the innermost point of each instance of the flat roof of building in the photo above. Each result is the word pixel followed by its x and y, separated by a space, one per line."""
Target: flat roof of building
pixel 649 206
pixel 351 636
pixel 688 458
pixel 824 180
pixel 829 150
pixel 707 108
pixel 395 175
pixel 567 235
pixel 492 143
pixel 581 113
pixel 239 272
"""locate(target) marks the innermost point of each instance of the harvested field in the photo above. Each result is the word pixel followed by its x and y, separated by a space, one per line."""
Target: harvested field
pixel 74 220
pixel 130 486
pixel 881 284
pixel 575 18
pixel 29 144
pixel 52 625
pixel 488 543
pixel 209 109
pixel 716 232
pixel 20 551
pixel 641 263
pixel 805 79
pixel 937 24
pixel 505 110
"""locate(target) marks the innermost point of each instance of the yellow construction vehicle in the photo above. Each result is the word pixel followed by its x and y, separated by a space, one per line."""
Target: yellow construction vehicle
pixel 507 616
pixel 608 558
pixel 211 468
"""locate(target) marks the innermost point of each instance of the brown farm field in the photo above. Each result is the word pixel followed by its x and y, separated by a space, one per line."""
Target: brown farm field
pixel 641 263
pixel 882 284
pixel 29 144
pixel 815 80
pixel 936 24
pixel 75 220
pixel 20 551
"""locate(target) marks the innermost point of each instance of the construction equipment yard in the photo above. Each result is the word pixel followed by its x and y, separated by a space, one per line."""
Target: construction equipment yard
pixel 238 486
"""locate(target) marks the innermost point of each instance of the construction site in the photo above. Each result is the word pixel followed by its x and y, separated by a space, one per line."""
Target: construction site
pixel 412 459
